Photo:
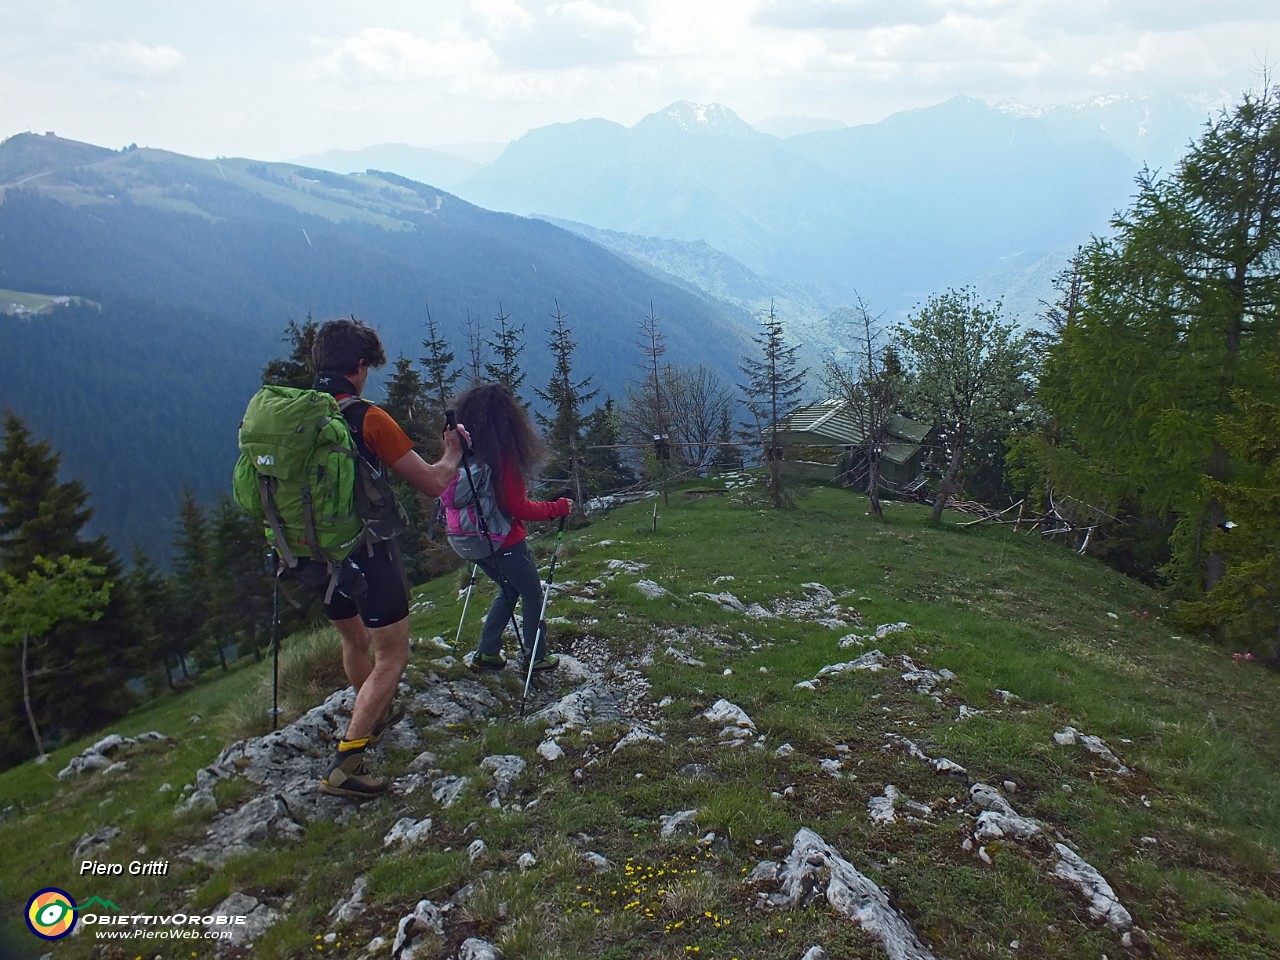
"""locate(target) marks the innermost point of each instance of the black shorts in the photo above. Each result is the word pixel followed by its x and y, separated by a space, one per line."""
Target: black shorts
pixel 373 587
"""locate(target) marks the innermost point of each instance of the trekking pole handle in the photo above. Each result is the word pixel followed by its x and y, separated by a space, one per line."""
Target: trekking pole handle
pixel 451 423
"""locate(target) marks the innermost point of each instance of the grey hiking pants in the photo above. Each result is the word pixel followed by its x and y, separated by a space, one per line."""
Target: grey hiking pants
pixel 516 565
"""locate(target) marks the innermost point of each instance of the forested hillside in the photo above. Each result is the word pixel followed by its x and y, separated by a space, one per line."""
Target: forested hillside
pixel 199 265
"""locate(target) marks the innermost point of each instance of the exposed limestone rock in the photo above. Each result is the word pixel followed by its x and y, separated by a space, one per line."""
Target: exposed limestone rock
pixel 639 734
pixel 814 870
pixel 506 770
pixel 245 829
pixel 597 862
pixel 881 808
pixel 446 790
pixel 477 850
pixel 872 660
pixel 1094 745
pixel 476 949
pixel 345 911
pixel 913 749
pixel 407 832
pixel 259 918
pixel 815 953
pixel 1103 903
pixel 682 822
pixel 998 818
pixel 91 846
pixel 680 656
pixel 625 566
pixel 737 726
pixel 426 917
pixel 550 751
pixel 95 757
pixel 651 589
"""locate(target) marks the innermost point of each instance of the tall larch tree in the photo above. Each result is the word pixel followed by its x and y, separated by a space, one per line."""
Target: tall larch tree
pixel 1178 314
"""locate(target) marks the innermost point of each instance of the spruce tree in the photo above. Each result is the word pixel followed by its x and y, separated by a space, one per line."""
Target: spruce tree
pixel 566 399
pixel 774 384
pixel 603 467
pixel 441 377
pixel 297 369
pixel 507 346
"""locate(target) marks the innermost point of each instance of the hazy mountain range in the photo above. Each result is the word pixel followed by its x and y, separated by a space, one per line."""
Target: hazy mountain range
pixel 962 192
pixel 186 271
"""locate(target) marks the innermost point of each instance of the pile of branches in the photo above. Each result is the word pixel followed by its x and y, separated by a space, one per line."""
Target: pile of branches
pixel 1065 517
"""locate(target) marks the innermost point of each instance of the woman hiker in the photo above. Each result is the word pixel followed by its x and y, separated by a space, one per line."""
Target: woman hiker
pixel 506 440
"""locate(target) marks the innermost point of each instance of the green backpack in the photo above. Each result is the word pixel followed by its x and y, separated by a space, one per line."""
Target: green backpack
pixel 302 473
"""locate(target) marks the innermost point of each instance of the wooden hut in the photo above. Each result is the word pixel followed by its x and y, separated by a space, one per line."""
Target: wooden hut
pixel 836 425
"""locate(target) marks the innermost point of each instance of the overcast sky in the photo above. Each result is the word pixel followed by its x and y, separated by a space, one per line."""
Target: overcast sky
pixel 273 79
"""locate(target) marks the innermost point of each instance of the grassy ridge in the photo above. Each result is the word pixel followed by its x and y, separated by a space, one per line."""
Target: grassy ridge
pixel 1190 841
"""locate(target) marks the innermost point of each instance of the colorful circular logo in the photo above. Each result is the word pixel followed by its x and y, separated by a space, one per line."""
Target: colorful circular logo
pixel 51 913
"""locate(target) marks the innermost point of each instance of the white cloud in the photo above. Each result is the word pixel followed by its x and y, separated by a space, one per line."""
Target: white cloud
pixel 381 54
pixel 138 60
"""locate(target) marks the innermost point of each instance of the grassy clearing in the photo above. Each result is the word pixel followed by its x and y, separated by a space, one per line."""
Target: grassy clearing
pixel 1190 840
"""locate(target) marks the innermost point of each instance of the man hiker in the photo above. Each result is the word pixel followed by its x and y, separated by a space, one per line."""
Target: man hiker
pixel 370 604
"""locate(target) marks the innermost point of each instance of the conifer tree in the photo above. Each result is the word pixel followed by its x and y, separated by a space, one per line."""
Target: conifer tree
pixel 774 384
pixel 507 346
pixel 407 402
pixel 441 376
pixel 151 603
pixel 475 348
pixel 84 665
pixel 38 515
pixel 1179 307
pixel 1244 604
pixel 192 578
pixel 603 467
pixel 297 369
pixel 240 581
pixel 566 399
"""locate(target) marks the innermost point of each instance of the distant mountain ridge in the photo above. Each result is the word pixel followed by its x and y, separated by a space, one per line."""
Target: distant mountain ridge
pixel 196 266
pixel 892 211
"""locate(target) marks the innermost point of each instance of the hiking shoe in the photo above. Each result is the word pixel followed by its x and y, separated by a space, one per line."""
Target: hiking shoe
pixel 395 713
pixel 349 777
pixel 487 661
pixel 549 662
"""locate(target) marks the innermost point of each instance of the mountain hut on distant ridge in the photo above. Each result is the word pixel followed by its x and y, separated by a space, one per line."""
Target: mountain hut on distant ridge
pixel 835 424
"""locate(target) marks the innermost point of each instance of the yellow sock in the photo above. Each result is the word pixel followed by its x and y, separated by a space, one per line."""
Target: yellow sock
pixel 344 746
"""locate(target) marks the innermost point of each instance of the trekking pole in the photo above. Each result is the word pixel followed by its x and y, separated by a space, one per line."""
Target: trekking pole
pixel 275 639
pixel 470 583
pixel 541 635
pixel 450 418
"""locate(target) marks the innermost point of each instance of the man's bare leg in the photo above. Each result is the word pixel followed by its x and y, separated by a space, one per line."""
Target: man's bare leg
pixel 349 776
pixel 374 695
pixel 355 651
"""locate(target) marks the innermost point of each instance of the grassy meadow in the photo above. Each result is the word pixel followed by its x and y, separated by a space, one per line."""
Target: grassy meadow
pixel 1189 839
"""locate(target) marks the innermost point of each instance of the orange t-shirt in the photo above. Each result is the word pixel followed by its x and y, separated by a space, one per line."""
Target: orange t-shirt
pixel 384 436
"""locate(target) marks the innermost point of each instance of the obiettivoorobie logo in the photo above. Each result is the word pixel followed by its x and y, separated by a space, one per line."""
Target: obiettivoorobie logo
pixel 52 913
